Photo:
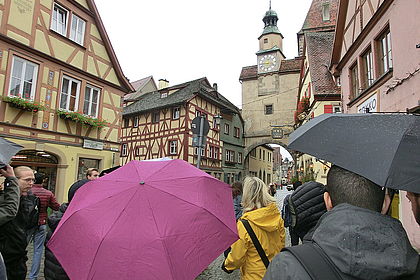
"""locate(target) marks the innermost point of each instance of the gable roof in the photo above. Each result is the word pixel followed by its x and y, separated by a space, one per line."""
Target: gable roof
pixel 138 87
pixel 319 47
pixel 181 94
pixel 286 65
pixel 314 21
pixel 108 46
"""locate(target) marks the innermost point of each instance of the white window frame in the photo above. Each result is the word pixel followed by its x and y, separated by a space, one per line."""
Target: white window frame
pixel 176 113
pixel 124 150
pixel 237 132
pixel 55 13
pixel 368 68
pixel 91 88
pixel 76 105
pixel 173 147
pixel 216 152
pixel 226 128
pixel 385 51
pixel 75 35
pixel 21 78
pixel 156 117
pixel 211 151
pixel 239 158
pixel 136 121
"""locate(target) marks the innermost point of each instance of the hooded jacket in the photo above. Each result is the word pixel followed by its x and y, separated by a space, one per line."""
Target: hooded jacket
pixel 268 227
pixel 363 244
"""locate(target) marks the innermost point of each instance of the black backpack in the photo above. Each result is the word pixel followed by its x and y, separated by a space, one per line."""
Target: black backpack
pixel 319 266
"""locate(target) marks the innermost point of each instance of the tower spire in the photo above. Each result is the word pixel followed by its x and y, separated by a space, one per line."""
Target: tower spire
pixel 270 5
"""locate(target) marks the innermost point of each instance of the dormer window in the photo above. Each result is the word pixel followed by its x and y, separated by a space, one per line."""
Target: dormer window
pixel 60 21
pixel 163 95
pixel 326 11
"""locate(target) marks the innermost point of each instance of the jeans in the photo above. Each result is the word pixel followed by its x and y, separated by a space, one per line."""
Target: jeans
pixel 38 236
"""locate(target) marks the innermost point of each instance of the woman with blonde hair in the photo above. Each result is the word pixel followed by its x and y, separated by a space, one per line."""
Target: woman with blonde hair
pixel 260 226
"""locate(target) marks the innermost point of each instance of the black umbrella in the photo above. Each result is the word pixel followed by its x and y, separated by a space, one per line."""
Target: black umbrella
pixel 384 148
pixel 7 150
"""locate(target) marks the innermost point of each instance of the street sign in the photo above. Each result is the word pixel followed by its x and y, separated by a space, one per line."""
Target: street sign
pixel 277 133
pixel 196 140
pixel 195 126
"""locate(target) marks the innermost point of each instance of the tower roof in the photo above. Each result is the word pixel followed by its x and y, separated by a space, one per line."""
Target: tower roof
pixel 270 22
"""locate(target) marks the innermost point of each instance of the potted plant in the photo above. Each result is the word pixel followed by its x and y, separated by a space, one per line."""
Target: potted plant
pixel 23 104
pixel 82 118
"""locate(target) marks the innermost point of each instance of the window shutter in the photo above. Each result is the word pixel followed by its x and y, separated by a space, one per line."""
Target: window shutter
pixel 328 109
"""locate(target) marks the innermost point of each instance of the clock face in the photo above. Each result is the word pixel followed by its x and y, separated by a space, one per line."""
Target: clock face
pixel 267 63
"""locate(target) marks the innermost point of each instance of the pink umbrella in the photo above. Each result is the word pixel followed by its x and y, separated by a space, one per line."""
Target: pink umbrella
pixel 146 220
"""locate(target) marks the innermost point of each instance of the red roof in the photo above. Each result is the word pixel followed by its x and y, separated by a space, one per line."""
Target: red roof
pixel 286 65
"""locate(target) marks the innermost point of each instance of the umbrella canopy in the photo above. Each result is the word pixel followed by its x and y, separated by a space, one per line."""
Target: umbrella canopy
pixel 7 150
pixel 384 148
pixel 146 220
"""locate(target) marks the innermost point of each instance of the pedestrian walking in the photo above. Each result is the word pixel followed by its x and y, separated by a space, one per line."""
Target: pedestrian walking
pixel 237 199
pixel 38 234
pixel 14 233
pixel 260 230
pixel 9 204
pixel 353 240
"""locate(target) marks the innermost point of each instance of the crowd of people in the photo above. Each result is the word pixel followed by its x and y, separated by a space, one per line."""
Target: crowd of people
pixel 24 203
pixel 343 229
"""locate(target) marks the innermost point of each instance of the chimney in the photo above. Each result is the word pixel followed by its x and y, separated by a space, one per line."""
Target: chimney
pixel 215 86
pixel 163 83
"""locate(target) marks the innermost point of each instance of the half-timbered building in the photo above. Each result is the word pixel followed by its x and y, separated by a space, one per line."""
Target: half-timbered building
pixel 62 88
pixel 159 125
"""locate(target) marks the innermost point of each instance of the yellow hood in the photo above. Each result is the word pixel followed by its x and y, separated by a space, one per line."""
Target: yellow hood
pixel 266 218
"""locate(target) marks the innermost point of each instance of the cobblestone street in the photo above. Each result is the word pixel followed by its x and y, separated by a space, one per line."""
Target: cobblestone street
pixel 213 272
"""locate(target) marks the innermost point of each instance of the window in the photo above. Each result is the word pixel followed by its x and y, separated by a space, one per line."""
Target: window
pixel 126 122
pixel 237 132
pixel 136 121
pixel 326 11
pixel 155 117
pixel 163 95
pixel 216 152
pixel 265 40
pixel 367 69
pixel 91 103
pixel 175 113
pixel 253 153
pixel 137 151
pixel 239 158
pixel 227 128
pixel 23 78
pixel 173 147
pixel 124 150
pixel 385 53
pixel 69 96
pixel 354 81
pixel 336 109
pixel 211 150
pixel 77 31
pixel 197 113
pixel 59 20
pixel 269 109
pixel 230 156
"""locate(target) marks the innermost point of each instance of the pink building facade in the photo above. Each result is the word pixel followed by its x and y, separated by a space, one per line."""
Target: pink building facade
pixel 376 59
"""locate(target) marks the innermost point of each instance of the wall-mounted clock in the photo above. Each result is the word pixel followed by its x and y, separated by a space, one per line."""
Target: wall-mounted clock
pixel 267 63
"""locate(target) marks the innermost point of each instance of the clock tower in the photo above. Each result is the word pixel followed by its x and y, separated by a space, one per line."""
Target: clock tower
pixel 270 53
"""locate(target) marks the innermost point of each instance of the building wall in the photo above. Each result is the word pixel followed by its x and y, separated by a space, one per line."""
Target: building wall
pixel 260 165
pixel 25 33
pixel 399 89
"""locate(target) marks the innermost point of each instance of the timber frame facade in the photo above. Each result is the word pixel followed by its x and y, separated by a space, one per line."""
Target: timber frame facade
pixel 57 54
pixel 159 125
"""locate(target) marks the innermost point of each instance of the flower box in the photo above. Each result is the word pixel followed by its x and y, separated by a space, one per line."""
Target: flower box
pixel 82 118
pixel 23 104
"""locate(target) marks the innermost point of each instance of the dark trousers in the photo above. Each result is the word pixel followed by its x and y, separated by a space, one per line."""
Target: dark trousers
pixel 16 268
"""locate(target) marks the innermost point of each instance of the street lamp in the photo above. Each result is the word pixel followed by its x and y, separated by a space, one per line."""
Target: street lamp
pixel 217 118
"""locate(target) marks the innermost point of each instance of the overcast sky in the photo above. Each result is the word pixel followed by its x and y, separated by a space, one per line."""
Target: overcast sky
pixel 188 39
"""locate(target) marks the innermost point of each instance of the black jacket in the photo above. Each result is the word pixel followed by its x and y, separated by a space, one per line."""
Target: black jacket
pixel 13 234
pixel 363 244
pixel 52 268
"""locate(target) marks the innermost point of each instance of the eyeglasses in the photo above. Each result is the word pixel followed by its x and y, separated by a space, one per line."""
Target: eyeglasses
pixel 28 180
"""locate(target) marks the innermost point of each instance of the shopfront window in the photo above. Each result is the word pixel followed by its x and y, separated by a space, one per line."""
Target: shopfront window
pixel 84 165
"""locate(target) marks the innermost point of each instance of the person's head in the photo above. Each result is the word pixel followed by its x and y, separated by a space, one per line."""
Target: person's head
pixel 415 205
pixel 92 174
pixel 255 194
pixel 39 178
pixel 26 178
pixel 344 186
pixel 296 184
pixel 236 189
pixel 307 202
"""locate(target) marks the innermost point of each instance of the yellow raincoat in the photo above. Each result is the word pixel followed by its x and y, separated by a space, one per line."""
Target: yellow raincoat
pixel 268 227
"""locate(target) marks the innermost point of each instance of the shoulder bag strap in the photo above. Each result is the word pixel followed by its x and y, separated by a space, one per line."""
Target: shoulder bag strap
pixel 257 243
pixel 316 263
